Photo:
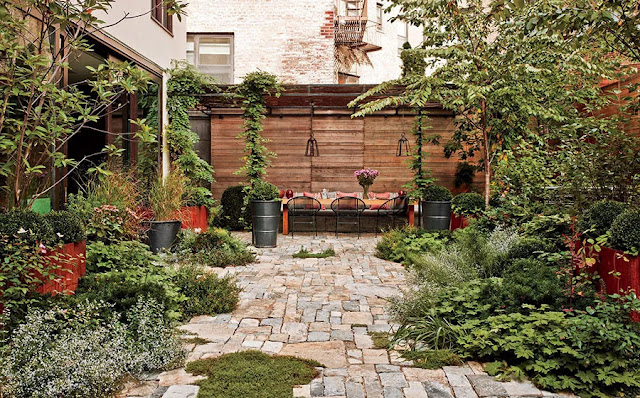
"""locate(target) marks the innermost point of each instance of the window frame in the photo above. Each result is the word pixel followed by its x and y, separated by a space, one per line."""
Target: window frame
pixel 228 68
pixel 380 15
pixel 160 16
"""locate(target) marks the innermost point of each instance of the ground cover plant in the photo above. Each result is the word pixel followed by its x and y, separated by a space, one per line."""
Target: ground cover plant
pixel 304 253
pixel 214 248
pixel 252 374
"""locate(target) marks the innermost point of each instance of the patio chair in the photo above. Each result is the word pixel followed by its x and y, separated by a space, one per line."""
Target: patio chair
pixel 396 207
pixel 303 206
pixel 346 209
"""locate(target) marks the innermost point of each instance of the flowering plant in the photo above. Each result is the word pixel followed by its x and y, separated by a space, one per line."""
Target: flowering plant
pixel 366 176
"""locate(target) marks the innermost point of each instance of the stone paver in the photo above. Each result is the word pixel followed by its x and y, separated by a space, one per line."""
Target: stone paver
pixel 324 310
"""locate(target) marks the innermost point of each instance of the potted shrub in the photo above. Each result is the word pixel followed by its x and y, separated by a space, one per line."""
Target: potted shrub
pixel 465 206
pixel 436 207
pixel 265 213
pixel 70 256
pixel 619 264
pixel 165 200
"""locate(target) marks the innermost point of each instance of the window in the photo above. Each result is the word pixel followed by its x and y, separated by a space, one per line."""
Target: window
pixel 350 8
pixel 403 35
pixel 379 15
pixel 161 16
pixel 212 54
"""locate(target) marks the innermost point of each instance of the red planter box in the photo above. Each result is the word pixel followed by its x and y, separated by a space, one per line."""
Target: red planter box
pixel 619 272
pixel 71 262
pixel 459 222
pixel 195 217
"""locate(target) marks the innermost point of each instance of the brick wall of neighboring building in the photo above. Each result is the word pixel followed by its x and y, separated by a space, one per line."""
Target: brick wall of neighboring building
pixel 292 39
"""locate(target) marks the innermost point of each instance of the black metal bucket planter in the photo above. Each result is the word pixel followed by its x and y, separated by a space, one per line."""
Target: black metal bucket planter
pixel 163 234
pixel 266 219
pixel 436 215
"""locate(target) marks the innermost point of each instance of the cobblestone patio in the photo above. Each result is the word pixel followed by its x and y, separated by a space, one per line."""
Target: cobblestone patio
pixel 324 309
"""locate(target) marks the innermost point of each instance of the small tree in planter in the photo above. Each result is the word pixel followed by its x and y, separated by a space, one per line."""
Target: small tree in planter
pixel 436 207
pixel 166 200
pixel 463 206
pixel 265 210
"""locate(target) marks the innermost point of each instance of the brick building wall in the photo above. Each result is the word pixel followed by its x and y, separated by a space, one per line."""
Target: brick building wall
pixel 291 39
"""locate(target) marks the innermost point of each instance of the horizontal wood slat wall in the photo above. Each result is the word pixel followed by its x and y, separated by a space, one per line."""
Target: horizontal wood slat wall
pixel 345 145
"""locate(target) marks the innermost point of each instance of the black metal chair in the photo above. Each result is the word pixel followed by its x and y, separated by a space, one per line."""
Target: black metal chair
pixel 396 207
pixel 303 206
pixel 348 208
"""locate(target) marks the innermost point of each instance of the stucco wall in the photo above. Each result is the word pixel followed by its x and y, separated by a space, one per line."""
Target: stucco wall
pixel 143 34
pixel 291 39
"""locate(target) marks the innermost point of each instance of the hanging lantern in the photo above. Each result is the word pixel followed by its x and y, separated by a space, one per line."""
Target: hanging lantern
pixel 403 142
pixel 312 143
pixel 403 146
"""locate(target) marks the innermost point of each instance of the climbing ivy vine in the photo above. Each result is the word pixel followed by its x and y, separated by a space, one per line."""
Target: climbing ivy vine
pixel 183 86
pixel 252 91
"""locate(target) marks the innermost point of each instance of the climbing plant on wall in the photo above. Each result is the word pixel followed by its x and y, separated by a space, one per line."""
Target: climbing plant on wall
pixel 185 82
pixel 252 91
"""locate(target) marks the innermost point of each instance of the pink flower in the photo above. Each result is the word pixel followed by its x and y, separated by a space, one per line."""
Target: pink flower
pixel 43 249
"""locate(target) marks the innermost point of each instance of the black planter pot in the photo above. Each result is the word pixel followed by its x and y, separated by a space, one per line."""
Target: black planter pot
pixel 163 234
pixel 436 215
pixel 266 219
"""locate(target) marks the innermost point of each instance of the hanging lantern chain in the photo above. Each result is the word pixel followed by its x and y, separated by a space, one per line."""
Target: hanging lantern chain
pixel 312 143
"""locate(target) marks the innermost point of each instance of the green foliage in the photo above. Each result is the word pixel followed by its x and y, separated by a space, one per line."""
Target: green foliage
pixel 23 268
pixel 304 253
pixel 74 352
pixel 434 193
pixel 421 177
pixel 67 226
pixel 252 374
pixel 597 219
pixel 26 226
pixel 467 204
pixel 118 256
pixel 530 248
pixel 398 244
pixel 235 214
pixel 532 282
pixel 593 353
pixel 185 82
pixel 413 60
pixel 263 190
pixel 251 91
pixel 166 196
pixel 108 206
pixel 213 248
pixel 123 289
pixel 464 174
pixel 205 292
pixel 380 340
pixel 625 231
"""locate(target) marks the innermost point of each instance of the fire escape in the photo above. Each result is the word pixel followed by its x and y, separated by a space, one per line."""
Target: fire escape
pixel 355 35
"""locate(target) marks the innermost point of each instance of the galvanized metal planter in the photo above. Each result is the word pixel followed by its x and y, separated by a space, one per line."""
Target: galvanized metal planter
pixel 266 219
pixel 436 215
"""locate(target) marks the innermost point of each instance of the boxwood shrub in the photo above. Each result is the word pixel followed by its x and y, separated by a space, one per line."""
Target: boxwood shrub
pixel 67 226
pixel 235 215
pixel 528 248
pixel 436 193
pixel 625 231
pixel 468 204
pixel 263 190
pixel 30 226
pixel 598 218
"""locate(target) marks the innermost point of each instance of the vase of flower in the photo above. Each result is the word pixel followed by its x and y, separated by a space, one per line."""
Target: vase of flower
pixel 365 179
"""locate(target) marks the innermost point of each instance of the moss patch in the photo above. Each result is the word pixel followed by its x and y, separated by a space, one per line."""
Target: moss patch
pixel 252 374
pixel 304 253
pixel 380 339
pixel 433 359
